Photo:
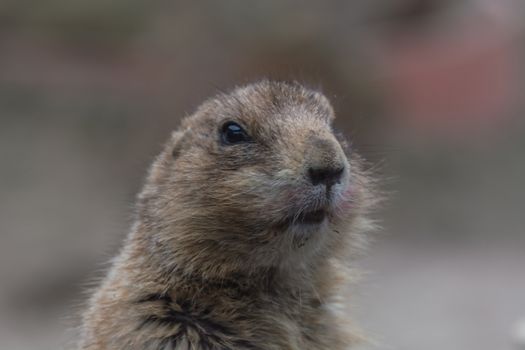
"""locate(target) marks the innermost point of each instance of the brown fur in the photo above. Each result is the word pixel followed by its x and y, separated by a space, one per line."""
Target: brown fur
pixel 211 262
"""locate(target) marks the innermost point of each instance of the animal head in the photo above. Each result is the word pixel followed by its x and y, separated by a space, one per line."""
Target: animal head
pixel 255 178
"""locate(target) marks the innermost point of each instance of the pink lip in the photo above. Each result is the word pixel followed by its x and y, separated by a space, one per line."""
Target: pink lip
pixel 348 194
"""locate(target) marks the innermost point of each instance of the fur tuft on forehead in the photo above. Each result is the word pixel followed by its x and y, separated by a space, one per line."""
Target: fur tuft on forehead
pixel 267 99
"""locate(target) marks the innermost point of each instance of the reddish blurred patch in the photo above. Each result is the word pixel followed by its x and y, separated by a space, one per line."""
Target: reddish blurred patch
pixel 457 80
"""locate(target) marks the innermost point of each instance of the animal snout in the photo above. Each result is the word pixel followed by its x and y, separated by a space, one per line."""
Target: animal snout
pixel 325 162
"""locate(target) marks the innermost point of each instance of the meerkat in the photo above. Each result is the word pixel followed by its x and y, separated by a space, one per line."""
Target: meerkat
pixel 238 231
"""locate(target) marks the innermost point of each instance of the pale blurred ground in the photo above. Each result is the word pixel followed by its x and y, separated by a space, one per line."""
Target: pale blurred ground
pixel 90 90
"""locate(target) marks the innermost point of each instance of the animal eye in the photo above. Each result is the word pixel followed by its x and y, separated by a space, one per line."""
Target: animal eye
pixel 232 133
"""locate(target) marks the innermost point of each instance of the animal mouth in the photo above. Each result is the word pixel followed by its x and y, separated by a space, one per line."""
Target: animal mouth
pixel 308 218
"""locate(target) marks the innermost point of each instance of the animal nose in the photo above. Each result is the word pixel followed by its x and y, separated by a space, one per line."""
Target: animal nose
pixel 327 176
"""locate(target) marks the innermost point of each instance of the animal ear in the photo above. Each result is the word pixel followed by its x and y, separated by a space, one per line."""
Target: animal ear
pixel 176 143
pixel 345 144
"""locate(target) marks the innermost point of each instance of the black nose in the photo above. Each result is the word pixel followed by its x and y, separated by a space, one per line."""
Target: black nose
pixel 325 176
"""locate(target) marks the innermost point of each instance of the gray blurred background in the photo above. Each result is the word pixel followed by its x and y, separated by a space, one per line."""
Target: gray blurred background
pixel 432 90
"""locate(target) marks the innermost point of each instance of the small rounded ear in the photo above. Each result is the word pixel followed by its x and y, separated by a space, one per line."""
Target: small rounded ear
pixel 176 143
pixel 324 107
pixel 345 144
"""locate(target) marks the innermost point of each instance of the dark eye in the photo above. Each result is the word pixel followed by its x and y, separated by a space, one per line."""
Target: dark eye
pixel 232 133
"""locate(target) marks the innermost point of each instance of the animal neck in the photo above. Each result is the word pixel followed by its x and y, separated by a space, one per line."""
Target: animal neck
pixel 169 266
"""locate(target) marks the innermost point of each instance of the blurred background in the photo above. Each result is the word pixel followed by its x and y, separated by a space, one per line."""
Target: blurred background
pixel 432 90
